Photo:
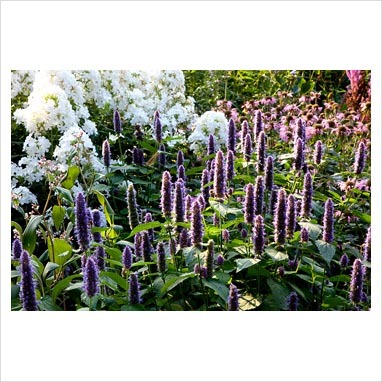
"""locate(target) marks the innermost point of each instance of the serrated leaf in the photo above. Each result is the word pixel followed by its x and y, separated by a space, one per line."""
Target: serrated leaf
pixel 58 214
pixel 327 250
pixel 71 177
pixel 276 255
pixel 145 227
pixel 221 289
pixel 245 263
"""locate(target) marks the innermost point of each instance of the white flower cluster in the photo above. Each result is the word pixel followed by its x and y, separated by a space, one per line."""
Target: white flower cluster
pixel 58 102
pixel 211 122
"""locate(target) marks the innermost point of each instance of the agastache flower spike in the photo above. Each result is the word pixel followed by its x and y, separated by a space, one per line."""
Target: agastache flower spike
pixel 306 205
pixel 91 281
pixel 247 147
pixel 166 199
pixel 317 156
pixel 205 190
pixel 210 258
pixel 298 154
pixel 244 132
pixel 27 284
pixel 117 122
pixel 17 249
pixel 231 136
pixel 300 130
pixel 280 217
pixel 180 158
pixel 138 158
pixel 183 238
pixel 181 173
pixel 304 235
pixel 197 228
pixel 292 301
pixel 162 156
pixel 367 246
pixel 157 127
pixel 134 289
pixel 138 245
pixel 127 258
pixel 147 247
pixel 132 207
pixel 230 169
pixel 233 298
pixel 149 219
pixel 82 222
pixel 291 216
pixel 219 176
pixel 344 261
pixel 268 176
pixel 179 207
pixel 259 195
pixel 97 222
pixel 161 257
pixel 261 152
pixel 328 230
pixel 188 206
pixel 259 235
pixel 273 201
pixel 356 283
pixel 211 145
pixel 360 158
pixel 100 255
pixel 106 153
pixel 249 204
pixel 258 124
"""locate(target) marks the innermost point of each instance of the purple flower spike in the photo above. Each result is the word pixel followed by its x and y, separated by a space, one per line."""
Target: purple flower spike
pixel 230 169
pixel 300 130
pixel 204 189
pixel 219 176
pixel 183 238
pixel 166 199
pixel 210 258
pixel 291 216
pixel 179 207
pixel 328 231
pixel 292 301
pixel 259 235
pixel 127 258
pixel 356 283
pixel 117 122
pixel 157 127
pixel 197 228
pixel 162 156
pixel 138 245
pixel 100 255
pixel 306 205
pixel 97 222
pixel 106 153
pixel 138 158
pixel 233 298
pixel 82 222
pixel 258 124
pixel 244 132
pixel 27 284
pixel 225 235
pixel 188 206
pixel 181 173
pixel 317 156
pixel 149 219
pixel 273 201
pixel 219 260
pixel 231 136
pixel 268 176
pixel 17 249
pixel 132 206
pixel 161 257
pixel 259 195
pixel 280 217
pixel 134 289
pixel 147 247
pixel 261 152
pixel 91 281
pixel 247 147
pixel 367 246
pixel 249 204
pixel 344 260
pixel 298 154
pixel 304 235
pixel 360 158
pixel 180 158
pixel 211 145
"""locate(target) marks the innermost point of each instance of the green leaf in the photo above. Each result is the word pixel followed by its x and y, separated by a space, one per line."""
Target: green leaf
pixel 61 285
pixel 245 263
pixel 71 177
pixel 145 227
pixel 248 302
pixel 313 229
pixel 46 303
pixel 18 227
pixel 219 207
pixel 279 293
pixel 108 211
pixel 59 251
pixel 65 194
pixel 276 255
pixel 49 267
pixel 58 215
pixel 29 237
pixel 118 279
pixel 172 283
pixel 221 289
pixel 364 217
pixel 327 251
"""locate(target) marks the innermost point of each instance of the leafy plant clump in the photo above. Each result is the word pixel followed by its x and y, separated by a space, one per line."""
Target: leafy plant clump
pixel 268 210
